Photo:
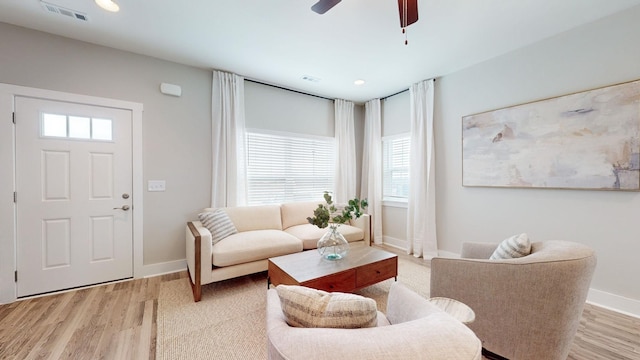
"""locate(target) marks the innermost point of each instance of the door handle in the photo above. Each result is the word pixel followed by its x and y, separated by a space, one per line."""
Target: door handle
pixel 124 207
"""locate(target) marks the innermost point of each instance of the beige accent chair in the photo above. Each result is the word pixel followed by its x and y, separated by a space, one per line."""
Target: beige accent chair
pixel 526 308
pixel 413 328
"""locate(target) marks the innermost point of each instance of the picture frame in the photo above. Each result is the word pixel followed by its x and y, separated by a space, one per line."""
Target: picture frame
pixel 588 140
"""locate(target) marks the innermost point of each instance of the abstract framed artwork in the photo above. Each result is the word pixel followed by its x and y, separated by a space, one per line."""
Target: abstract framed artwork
pixel 587 140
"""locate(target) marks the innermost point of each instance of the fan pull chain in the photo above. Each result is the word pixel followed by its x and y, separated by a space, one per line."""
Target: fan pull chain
pixel 404 21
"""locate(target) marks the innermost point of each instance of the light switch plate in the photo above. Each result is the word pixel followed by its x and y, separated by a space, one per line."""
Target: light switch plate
pixel 156 185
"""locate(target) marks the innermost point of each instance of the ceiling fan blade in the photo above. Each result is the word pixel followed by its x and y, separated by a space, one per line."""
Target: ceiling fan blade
pixel 411 12
pixel 323 6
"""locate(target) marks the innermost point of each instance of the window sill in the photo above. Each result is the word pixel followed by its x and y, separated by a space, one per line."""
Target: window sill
pixel 395 203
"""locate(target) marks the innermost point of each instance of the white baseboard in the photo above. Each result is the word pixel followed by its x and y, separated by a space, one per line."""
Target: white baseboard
pixel 614 302
pixel 394 242
pixel 164 268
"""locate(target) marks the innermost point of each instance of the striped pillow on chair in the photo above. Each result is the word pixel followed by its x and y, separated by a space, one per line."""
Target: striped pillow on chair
pixel 513 247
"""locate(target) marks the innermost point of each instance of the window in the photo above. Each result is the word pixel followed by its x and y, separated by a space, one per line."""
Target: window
pixel 283 167
pixel 395 168
pixel 76 127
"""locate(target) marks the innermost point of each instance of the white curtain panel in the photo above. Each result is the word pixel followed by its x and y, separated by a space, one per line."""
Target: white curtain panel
pixel 421 215
pixel 371 186
pixel 345 183
pixel 228 139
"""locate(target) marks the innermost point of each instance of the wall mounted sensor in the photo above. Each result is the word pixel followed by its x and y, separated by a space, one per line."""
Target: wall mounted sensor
pixel 170 89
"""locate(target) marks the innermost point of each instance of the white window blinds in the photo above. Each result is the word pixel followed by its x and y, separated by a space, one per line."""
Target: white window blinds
pixel 283 167
pixel 395 168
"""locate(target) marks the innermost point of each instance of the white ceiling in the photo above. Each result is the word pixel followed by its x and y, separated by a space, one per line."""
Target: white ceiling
pixel 280 41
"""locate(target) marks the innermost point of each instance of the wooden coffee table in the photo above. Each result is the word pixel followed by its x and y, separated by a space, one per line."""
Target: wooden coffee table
pixel 363 266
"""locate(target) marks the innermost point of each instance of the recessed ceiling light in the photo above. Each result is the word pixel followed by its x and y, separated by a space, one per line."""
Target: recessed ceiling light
pixel 359 82
pixel 108 5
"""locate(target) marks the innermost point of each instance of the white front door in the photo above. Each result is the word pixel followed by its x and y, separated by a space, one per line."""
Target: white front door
pixel 73 186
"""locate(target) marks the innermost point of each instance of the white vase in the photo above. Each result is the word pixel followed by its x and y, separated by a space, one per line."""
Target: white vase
pixel 332 245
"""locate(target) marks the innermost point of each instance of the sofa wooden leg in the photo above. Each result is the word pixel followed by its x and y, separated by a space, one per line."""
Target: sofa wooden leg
pixel 195 288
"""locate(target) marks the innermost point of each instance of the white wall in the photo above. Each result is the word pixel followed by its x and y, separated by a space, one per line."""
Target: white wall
pixel 176 131
pixel 396 119
pixel 599 54
pixel 271 108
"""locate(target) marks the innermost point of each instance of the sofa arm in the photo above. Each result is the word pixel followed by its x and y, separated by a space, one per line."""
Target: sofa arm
pixel 474 250
pixel 363 223
pixel 199 247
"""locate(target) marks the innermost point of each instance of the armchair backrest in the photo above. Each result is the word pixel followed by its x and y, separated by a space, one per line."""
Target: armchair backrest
pixel 526 308
pixel 419 334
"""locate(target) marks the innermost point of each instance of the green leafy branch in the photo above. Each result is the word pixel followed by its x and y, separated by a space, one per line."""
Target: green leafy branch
pixel 322 215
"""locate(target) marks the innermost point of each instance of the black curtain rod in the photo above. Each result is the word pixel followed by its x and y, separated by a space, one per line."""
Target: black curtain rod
pixel 283 88
pixel 318 96
pixel 399 92
pixel 388 96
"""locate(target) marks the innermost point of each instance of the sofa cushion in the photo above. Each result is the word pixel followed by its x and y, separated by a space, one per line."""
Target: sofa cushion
pixel 218 223
pixel 248 218
pixel 296 213
pixel 311 308
pixel 253 245
pixel 513 247
pixel 310 234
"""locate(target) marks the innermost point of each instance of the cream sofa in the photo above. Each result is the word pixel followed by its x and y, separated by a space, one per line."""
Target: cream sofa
pixel 263 232
pixel 413 328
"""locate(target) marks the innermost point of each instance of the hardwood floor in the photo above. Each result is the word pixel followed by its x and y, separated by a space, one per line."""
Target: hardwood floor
pixel 113 321
pixel 118 321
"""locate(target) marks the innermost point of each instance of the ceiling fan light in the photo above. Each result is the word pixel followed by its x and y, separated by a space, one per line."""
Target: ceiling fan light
pixel 108 5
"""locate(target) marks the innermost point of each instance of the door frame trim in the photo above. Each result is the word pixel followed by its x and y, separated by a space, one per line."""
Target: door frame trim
pixel 8 240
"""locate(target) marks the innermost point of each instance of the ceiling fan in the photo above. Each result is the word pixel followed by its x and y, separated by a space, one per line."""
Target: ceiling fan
pixel 408 10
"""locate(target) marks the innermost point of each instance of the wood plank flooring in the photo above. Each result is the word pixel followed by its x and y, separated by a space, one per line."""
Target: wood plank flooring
pixel 113 321
pixel 118 321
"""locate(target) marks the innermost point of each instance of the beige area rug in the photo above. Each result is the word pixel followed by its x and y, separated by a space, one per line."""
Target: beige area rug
pixel 229 322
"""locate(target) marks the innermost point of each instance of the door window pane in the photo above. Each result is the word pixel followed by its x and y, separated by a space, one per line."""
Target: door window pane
pixel 54 125
pixel 76 127
pixel 79 127
pixel 101 129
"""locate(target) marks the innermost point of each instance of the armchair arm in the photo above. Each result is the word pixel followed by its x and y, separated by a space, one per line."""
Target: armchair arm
pixel 475 250
pixel 405 305
pixel 364 223
pixel 198 247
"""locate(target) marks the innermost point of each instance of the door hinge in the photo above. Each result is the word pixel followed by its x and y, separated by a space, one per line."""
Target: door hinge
pixel 14 117
pixel 15 197
pixel 15 275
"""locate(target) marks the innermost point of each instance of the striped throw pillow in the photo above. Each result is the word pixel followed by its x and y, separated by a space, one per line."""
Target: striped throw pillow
pixel 512 247
pixel 311 308
pixel 218 223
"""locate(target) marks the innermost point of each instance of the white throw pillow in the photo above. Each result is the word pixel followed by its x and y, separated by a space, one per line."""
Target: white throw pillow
pixel 218 223
pixel 513 247
pixel 311 308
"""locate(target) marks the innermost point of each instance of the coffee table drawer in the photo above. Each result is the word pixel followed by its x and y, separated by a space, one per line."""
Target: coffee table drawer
pixel 344 281
pixel 376 272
